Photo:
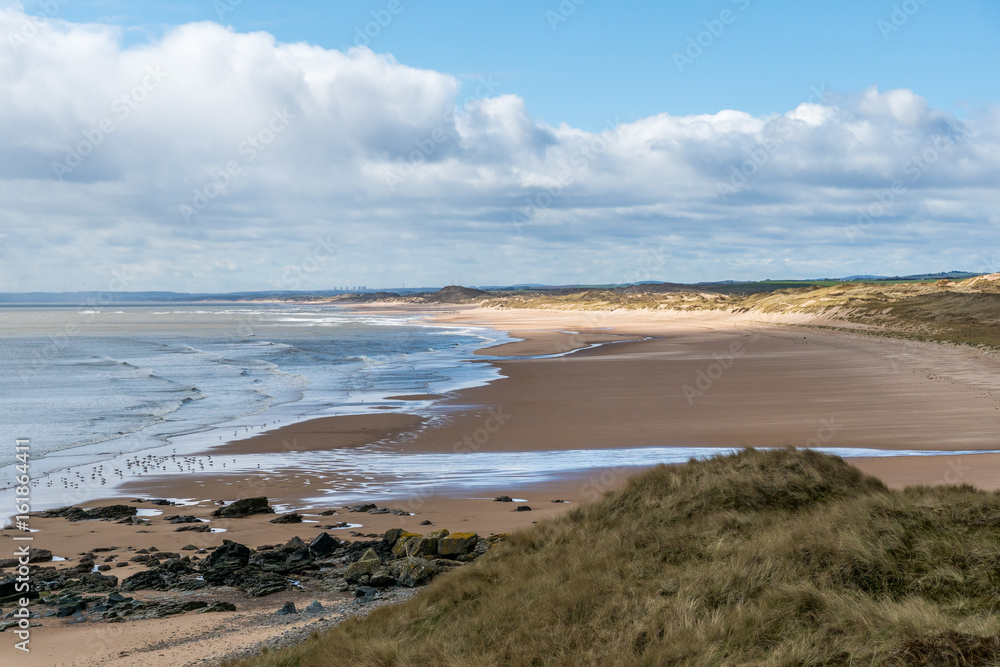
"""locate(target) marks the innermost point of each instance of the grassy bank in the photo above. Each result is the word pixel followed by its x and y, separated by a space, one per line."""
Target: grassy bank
pixel 766 557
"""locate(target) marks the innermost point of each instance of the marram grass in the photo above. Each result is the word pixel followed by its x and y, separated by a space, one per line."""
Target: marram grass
pixel 781 557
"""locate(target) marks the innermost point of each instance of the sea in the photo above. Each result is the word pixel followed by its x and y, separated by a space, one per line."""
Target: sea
pixel 87 385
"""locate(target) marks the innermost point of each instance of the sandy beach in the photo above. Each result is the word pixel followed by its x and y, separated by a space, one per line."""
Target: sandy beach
pixel 606 380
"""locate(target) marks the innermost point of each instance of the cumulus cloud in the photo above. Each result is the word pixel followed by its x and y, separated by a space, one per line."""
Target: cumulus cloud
pixel 214 160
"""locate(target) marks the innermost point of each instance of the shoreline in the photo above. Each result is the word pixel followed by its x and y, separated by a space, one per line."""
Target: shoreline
pixel 574 382
pixel 555 356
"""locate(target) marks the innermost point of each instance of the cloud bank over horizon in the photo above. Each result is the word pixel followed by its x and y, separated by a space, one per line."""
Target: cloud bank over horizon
pixel 211 160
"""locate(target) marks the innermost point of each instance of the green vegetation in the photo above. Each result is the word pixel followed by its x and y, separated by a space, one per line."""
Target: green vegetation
pixel 783 557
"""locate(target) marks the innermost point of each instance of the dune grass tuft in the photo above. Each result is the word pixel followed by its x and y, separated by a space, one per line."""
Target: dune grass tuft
pixel 780 557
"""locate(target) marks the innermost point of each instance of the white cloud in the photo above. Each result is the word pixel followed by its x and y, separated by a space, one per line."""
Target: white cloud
pixel 278 149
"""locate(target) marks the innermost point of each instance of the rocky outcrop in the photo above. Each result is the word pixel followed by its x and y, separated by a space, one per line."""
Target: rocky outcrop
pixel 454 545
pixel 360 571
pixel 323 545
pixel 79 514
pixel 34 556
pixel 412 571
pixel 244 507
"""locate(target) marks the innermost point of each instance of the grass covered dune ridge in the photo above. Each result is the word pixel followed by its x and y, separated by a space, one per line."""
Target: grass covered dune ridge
pixel 765 557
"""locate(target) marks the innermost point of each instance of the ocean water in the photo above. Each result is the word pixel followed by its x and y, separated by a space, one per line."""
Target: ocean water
pixel 91 384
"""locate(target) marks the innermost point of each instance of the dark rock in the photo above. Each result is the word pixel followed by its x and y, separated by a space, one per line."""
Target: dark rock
pixel 218 605
pixel 178 566
pixel 103 568
pixel 366 507
pixel 270 561
pixel 522 508
pixel 255 583
pixel 560 501
pixel 323 545
pixel 200 528
pixel 381 578
pixel 425 522
pixel 186 518
pixel 69 609
pixel 189 585
pixel 140 558
pixel 69 513
pixel 134 521
pixel 503 499
pixel 34 556
pixel 154 609
pixel 189 547
pixel 288 518
pixel 161 502
pixel 365 592
pixel 391 536
pixel 293 545
pixel 222 563
pixel 112 512
pixel 286 609
pixel 314 608
pixel 327 513
pixel 300 560
pixel 116 598
pixel 147 580
pixel 244 507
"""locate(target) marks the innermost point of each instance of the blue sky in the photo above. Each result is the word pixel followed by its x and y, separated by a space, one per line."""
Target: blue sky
pixel 607 60
pixel 605 144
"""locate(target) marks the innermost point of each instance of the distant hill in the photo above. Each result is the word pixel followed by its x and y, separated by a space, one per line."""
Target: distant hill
pixel 456 294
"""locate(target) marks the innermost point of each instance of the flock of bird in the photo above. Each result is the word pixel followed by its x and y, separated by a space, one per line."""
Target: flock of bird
pixel 141 465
